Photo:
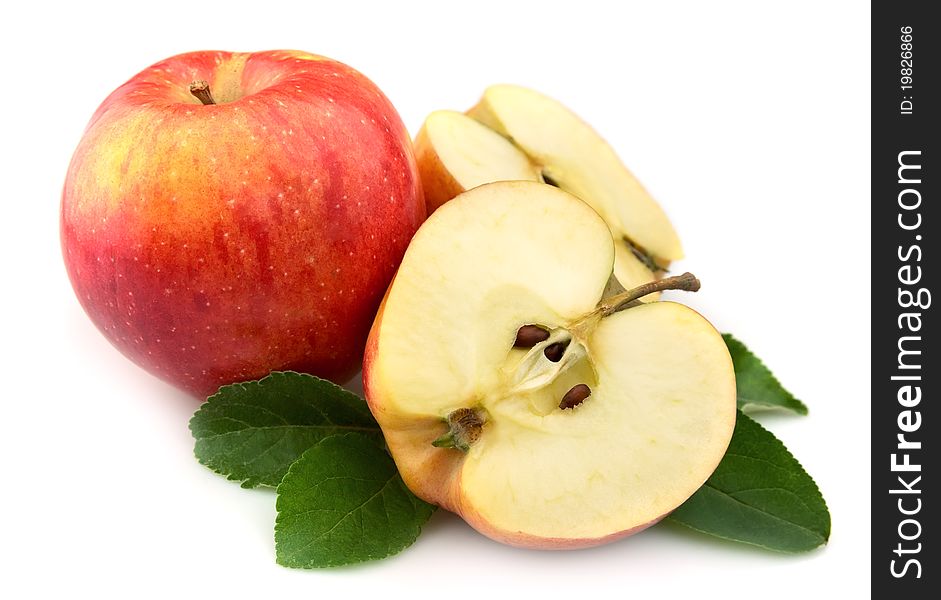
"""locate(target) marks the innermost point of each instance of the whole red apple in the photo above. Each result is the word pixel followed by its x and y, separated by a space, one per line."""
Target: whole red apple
pixel 230 214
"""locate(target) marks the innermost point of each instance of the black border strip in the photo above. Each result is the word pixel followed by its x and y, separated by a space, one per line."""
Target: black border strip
pixel 905 369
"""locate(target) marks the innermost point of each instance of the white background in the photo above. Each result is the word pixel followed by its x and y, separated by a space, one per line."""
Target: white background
pixel 748 121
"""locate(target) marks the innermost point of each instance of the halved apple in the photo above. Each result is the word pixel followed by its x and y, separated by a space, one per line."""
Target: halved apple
pixel 552 144
pixel 510 393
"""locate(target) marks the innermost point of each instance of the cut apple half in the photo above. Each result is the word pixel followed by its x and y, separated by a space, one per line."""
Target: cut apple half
pixel 511 393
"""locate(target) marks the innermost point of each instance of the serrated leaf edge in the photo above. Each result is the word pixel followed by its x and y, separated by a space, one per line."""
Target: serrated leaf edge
pixel 799 406
pixel 271 376
pixel 206 406
pixel 816 490
pixel 279 556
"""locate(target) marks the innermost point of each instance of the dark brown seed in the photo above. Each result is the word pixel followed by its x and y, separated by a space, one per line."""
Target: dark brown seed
pixel 575 396
pixel 555 351
pixel 530 335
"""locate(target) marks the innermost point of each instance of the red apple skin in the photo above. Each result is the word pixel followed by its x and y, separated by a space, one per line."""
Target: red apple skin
pixel 434 474
pixel 213 244
pixel 438 183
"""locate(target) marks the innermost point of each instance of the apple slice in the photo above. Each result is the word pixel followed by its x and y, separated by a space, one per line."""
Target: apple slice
pixel 540 139
pixel 511 394
pixel 456 153
pixel 571 155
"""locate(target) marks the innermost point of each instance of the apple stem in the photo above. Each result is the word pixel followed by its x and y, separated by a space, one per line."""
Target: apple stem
pixel 200 89
pixel 686 282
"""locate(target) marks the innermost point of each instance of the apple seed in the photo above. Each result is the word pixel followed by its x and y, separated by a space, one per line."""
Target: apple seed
pixel 555 351
pixel 530 335
pixel 575 396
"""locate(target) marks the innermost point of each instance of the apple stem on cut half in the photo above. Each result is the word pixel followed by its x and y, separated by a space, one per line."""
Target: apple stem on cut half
pixel 200 89
pixel 686 282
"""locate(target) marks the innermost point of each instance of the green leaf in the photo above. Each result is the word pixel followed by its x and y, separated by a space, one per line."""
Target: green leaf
pixel 252 432
pixel 760 495
pixel 757 386
pixel 344 502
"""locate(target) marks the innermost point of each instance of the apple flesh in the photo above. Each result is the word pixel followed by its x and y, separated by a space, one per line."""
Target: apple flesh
pixel 456 153
pixel 616 414
pixel 544 141
pixel 213 243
